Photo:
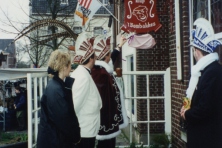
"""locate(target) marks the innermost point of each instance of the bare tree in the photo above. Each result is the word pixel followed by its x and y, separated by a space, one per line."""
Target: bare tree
pixel 44 38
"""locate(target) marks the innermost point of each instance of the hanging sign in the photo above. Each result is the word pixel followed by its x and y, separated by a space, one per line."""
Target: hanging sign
pixel 140 16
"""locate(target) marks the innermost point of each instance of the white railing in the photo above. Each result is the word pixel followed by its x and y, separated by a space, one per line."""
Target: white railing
pixel 166 96
pixel 36 83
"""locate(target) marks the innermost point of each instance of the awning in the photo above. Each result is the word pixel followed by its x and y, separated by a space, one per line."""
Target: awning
pixel 17 73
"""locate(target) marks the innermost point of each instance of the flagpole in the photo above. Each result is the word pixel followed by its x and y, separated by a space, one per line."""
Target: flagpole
pixel 108 11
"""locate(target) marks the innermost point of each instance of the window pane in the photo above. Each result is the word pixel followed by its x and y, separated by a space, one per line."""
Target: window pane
pixel 77 30
pixel 98 31
pixel 200 9
pixel 216 20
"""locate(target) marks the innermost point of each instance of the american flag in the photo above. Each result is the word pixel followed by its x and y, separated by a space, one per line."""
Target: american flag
pixel 84 16
pixel 85 3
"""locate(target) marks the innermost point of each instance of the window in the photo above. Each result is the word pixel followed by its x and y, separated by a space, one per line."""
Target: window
pixel 201 8
pixel 77 30
pixel 64 2
pixel 105 2
pixel 97 31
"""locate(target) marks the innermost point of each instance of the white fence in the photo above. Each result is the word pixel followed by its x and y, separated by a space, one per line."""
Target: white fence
pixel 36 83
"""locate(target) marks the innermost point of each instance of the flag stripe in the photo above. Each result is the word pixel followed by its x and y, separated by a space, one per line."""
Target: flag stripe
pixel 88 4
pixel 81 2
pixel 84 3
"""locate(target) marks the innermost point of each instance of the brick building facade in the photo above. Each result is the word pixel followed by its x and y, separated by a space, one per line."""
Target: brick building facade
pixel 156 59
pixel 164 55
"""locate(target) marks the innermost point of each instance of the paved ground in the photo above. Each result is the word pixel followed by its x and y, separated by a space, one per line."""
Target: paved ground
pixel 121 140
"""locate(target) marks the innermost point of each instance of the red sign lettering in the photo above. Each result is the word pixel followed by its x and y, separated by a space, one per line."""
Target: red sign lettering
pixel 140 16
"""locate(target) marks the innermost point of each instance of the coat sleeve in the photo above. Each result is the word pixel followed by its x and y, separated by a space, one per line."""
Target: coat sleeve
pixel 80 91
pixel 206 96
pixel 59 114
pixel 21 102
pixel 114 55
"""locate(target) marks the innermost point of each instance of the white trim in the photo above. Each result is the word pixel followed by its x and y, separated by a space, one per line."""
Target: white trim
pixel 64 2
pixel 191 26
pixel 104 137
pixel 178 48
pixel 167 101
pixel 209 10
pixel 127 52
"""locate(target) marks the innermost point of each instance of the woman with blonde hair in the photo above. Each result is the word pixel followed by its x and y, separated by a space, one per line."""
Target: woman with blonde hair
pixel 59 126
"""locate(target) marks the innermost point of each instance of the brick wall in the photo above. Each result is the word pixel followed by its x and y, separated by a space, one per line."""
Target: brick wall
pixel 156 59
pixel 179 86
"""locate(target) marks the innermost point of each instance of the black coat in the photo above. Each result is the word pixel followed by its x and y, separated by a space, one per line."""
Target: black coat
pixel 59 126
pixel 204 119
pixel 21 101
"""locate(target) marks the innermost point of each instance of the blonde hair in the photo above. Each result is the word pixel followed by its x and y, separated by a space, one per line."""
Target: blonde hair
pixel 58 60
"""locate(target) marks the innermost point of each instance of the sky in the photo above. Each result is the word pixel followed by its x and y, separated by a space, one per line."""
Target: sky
pixel 17 11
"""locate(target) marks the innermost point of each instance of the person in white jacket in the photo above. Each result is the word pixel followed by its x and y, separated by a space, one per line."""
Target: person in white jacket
pixel 86 98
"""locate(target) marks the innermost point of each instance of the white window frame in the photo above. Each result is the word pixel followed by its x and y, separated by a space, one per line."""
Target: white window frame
pixel 77 29
pixel 105 2
pixel 134 115
pixel 64 2
pixel 96 29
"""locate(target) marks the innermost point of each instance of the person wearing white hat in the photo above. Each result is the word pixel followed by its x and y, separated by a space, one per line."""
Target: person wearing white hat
pixel 204 115
pixel 113 112
pixel 86 98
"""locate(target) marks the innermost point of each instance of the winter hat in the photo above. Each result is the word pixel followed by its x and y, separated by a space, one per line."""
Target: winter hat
pixel 100 47
pixel 203 36
pixel 83 48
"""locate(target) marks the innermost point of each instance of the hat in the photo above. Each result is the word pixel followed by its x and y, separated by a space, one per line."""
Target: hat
pixel 203 36
pixel 100 47
pixel 83 48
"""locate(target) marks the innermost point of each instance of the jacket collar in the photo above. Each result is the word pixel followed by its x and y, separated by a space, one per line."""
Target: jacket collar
pixel 104 65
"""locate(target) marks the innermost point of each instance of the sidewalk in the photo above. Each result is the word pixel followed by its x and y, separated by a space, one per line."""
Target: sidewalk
pixel 121 140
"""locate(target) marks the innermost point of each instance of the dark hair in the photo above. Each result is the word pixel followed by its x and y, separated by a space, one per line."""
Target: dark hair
pixel 103 59
pixel 18 87
pixel 87 61
pixel 21 89
pixel 203 52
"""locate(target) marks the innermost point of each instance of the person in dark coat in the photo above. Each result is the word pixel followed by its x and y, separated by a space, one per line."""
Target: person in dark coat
pixel 113 113
pixel 59 126
pixel 204 115
pixel 20 106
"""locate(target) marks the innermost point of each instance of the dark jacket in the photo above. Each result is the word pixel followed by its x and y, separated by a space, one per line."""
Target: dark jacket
pixel 21 101
pixel 111 112
pixel 204 119
pixel 59 126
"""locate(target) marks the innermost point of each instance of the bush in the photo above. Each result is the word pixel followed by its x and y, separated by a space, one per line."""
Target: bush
pixel 9 138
